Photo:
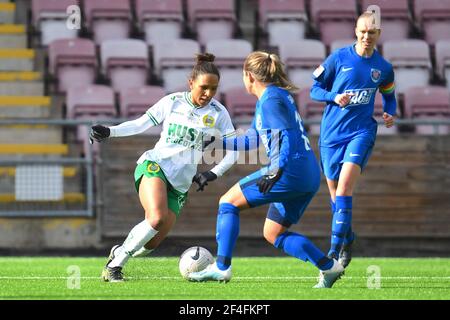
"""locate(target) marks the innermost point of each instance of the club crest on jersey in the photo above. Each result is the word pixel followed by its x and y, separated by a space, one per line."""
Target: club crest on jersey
pixel 208 121
pixel 153 168
pixel 375 75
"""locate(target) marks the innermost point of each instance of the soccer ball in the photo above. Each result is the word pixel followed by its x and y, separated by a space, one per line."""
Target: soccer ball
pixel 194 259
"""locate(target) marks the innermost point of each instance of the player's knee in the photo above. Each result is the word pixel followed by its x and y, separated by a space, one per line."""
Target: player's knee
pixel 156 218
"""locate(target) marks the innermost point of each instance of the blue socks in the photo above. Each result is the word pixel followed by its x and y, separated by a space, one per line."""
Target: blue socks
pixel 341 224
pixel 227 231
pixel 300 247
pixel 349 236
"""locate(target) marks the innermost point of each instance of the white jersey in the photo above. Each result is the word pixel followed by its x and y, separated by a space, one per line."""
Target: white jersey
pixel 179 149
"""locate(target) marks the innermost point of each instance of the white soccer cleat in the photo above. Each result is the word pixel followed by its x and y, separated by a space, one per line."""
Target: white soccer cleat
pixel 211 273
pixel 328 277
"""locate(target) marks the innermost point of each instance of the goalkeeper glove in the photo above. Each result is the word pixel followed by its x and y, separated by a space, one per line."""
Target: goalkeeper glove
pixel 99 133
pixel 266 182
pixel 203 178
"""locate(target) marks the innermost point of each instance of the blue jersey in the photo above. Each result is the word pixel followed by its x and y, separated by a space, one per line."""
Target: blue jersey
pixel 346 71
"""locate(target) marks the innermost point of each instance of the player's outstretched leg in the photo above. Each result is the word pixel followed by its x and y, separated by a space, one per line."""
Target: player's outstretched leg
pixel 345 255
pixel 112 274
pixel 211 273
pixel 328 277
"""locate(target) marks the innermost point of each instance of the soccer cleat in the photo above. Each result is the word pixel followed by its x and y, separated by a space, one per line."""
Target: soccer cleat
pixel 211 273
pixel 113 274
pixel 345 255
pixel 328 277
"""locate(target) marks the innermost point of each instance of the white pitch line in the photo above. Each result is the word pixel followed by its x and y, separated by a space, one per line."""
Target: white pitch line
pixel 237 278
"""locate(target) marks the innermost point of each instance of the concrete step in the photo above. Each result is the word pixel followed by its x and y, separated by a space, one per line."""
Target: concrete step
pixel 33 149
pixel 7 12
pixel 68 172
pixel 25 106
pixel 20 76
pixel 21 88
pixel 12 59
pixel 69 197
pixel 30 134
pixel 13 36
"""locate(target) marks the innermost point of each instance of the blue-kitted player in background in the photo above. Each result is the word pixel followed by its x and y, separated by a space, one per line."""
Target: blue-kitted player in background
pixel 348 81
pixel 288 183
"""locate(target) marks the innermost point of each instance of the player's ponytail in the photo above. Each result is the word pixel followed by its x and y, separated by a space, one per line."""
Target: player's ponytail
pixel 204 65
pixel 268 68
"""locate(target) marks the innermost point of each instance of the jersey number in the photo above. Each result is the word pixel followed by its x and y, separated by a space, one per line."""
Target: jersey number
pixel 298 118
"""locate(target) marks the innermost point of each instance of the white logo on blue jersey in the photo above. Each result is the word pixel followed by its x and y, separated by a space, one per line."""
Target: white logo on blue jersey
pixel 361 96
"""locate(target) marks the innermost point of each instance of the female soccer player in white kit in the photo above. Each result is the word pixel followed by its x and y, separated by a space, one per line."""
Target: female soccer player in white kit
pixel 164 174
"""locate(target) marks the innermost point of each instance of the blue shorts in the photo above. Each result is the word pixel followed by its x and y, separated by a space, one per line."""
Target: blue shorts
pixel 287 203
pixel 356 151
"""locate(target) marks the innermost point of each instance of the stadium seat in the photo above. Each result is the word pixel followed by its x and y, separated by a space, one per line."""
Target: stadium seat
pixel 341 43
pixel 107 19
pixel 395 18
pixel 309 110
pixel 93 100
pixel 156 18
pixel 433 18
pixel 173 62
pixel 72 62
pixel 125 62
pixel 241 106
pixel 212 19
pixel 50 17
pixel 411 62
pixel 442 52
pixel 334 19
pixel 135 102
pixel 428 103
pixel 283 20
pixel 301 58
pixel 230 56
pixel 378 113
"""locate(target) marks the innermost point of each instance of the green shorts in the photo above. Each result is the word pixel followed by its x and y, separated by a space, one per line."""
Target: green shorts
pixel 175 199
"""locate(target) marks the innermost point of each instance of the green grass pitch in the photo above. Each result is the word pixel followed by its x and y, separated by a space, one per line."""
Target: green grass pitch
pixel 255 278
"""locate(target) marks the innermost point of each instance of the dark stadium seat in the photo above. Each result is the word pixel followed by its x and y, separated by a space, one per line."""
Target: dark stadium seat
pixel 433 18
pixel 428 102
pixel 411 61
pixel 49 17
pixel 301 58
pixel 125 62
pixel 230 56
pixel 212 19
pixel 241 106
pixel 395 18
pixel 309 109
pixel 136 101
pixel 334 19
pixel 442 55
pixel 173 62
pixel 156 18
pixel 108 19
pixel 282 20
pixel 72 62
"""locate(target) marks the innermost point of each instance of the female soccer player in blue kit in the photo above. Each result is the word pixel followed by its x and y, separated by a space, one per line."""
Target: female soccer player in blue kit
pixel 288 183
pixel 347 81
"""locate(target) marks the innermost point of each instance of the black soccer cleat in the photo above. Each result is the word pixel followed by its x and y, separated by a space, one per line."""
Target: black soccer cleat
pixel 113 274
pixel 345 255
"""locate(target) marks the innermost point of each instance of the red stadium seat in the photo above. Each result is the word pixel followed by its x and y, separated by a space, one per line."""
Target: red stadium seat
pixel 428 102
pixel 125 62
pixel 301 58
pixel 156 18
pixel 108 19
pixel 173 62
pixel 211 19
pixel 230 56
pixel 378 113
pixel 283 20
pixel 341 43
pixel 72 62
pixel 395 18
pixel 334 19
pixel 93 101
pixel 136 101
pixel 442 52
pixel 433 18
pixel 50 17
pixel 411 62
pixel 309 109
pixel 241 106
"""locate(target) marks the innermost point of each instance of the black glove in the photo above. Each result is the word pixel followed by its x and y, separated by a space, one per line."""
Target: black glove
pixel 203 178
pixel 99 133
pixel 267 181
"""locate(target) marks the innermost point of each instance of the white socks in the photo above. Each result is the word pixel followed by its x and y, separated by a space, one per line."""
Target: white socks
pixel 137 238
pixel 142 252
